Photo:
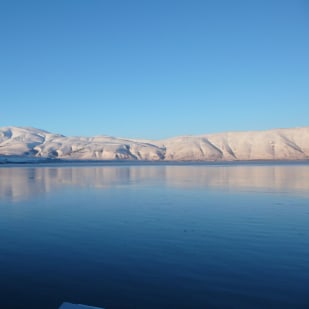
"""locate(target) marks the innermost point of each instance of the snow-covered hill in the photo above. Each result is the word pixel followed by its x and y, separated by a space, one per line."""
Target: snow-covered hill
pixel 278 144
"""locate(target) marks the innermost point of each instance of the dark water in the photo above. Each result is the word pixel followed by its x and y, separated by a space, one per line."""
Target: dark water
pixel 145 237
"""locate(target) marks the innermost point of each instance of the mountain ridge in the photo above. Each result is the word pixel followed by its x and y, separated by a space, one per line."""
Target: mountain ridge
pixel 274 144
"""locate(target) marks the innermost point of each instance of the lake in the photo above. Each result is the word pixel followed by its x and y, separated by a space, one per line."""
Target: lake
pixel 154 236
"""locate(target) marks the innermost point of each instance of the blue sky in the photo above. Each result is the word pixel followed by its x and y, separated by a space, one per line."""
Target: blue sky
pixel 154 69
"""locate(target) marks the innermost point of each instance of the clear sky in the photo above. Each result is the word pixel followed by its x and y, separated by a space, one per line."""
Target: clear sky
pixel 154 69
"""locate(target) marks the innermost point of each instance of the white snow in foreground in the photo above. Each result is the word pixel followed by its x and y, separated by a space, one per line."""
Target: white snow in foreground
pixel 278 144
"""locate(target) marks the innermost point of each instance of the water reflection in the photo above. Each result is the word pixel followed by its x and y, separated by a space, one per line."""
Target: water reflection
pixel 21 183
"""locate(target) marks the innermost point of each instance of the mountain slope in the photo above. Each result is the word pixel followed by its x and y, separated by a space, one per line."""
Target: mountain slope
pixel 278 144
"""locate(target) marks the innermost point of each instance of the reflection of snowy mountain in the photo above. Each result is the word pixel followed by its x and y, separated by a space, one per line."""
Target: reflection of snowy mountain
pixel 30 182
pixel 279 144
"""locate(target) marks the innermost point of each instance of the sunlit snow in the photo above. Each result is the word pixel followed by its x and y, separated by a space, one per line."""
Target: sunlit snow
pixel 19 143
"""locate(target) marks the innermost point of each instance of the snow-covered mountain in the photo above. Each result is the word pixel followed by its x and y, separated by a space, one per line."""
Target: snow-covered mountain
pixel 278 144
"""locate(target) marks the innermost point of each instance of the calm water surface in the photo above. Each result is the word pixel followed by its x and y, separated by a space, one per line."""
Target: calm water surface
pixel 145 237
